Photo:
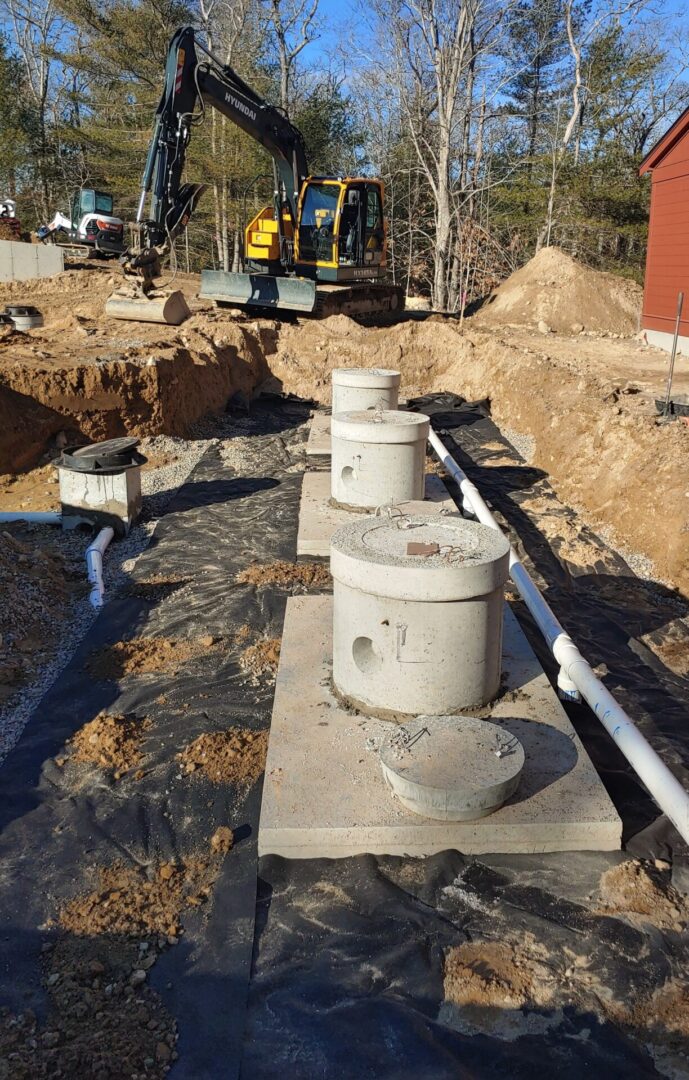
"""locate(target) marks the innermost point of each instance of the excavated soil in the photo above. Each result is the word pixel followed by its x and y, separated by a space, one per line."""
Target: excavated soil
pixel 584 399
pixel 104 1020
pixel 85 378
pixel 310 575
pixel 631 890
pixel 509 989
pixel 235 756
pixel 142 656
pixel 261 658
pixel 110 741
pixel 556 290
pixel 37 586
pixel 493 974
pixel 133 901
pixel 99 1025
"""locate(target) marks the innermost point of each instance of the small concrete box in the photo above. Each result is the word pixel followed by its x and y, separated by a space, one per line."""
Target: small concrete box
pixel 378 458
pixel 417 613
pixel 358 389
pixel 100 499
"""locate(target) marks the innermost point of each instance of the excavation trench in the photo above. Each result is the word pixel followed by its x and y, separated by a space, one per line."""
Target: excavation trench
pixel 585 399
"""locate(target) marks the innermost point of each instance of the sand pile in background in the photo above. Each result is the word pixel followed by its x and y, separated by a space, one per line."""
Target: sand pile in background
pixel 555 289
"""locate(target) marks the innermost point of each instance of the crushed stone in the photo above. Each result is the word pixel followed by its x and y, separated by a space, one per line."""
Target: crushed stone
pixel 261 658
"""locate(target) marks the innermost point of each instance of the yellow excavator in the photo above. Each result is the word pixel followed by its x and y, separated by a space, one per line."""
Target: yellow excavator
pixel 320 248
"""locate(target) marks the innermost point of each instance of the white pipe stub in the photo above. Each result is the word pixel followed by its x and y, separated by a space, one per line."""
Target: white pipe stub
pixel 365 388
pixel 378 457
pixel 452 768
pixel 94 565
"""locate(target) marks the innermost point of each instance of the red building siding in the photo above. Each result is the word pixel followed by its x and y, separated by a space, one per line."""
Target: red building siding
pixel 667 259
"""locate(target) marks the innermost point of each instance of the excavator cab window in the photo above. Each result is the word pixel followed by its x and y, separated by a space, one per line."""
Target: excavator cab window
pixel 362 231
pixel 88 201
pixel 317 223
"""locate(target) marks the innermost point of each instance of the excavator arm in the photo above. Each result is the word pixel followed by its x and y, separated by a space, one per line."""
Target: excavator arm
pixel 194 79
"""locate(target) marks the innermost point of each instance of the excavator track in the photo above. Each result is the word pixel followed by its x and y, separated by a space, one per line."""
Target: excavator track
pixel 359 301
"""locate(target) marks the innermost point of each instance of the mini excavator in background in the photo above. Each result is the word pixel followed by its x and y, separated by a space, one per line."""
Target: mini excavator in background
pixel 321 247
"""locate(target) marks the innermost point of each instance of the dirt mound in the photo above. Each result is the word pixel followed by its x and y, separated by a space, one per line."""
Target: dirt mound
pixel 110 741
pixel 134 901
pixel 496 975
pixel 556 290
pixel 235 756
pixel 143 656
pixel 310 575
pixel 630 889
pixel 37 585
pixel 261 658
pixel 98 378
pixel 99 1025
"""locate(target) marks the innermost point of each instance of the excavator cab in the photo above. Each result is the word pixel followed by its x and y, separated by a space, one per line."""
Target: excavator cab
pixel 341 230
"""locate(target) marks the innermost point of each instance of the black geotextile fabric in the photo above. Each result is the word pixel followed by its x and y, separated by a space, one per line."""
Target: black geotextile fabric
pixel 347 965
pixel 347 975
pixel 60 824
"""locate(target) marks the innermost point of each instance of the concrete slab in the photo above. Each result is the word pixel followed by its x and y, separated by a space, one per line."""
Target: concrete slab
pixel 318 444
pixel 324 795
pixel 318 520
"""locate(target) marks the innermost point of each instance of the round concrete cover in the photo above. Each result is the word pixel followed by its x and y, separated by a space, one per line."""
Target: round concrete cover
pixel 420 558
pixel 452 768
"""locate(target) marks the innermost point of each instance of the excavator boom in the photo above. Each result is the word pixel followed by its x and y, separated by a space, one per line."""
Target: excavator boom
pixel 279 276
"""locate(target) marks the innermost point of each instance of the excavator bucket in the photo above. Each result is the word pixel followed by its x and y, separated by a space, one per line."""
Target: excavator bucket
pixel 259 290
pixel 157 307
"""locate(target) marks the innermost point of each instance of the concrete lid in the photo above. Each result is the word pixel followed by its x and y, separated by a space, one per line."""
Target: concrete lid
pixel 452 768
pixel 429 559
pixel 371 378
pixel 380 426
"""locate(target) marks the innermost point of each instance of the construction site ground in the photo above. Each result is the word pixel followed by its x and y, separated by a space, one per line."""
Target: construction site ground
pixel 157 943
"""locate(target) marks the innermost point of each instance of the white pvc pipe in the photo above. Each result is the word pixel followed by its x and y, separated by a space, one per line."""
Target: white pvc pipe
pixel 35 517
pixel 665 788
pixel 94 565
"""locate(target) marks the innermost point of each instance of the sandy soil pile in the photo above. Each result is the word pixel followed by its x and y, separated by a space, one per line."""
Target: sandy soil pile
pixel 310 575
pixel 143 656
pixel 129 900
pixel 630 889
pixel 508 989
pixel 555 289
pixel 492 974
pixel 37 585
pixel 110 741
pixel 235 756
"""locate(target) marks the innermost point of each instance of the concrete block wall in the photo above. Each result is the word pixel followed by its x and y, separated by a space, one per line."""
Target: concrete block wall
pixel 21 262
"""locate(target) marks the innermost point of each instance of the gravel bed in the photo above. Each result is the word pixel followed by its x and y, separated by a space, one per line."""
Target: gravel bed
pixel 158 487
pixel 233 437
pixel 525 445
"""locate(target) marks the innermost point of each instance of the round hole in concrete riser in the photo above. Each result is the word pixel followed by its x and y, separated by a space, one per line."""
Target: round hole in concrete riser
pixel 348 475
pixel 366 656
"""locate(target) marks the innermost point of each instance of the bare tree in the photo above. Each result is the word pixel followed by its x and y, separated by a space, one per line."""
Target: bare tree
pixel 294 26
pixel 224 23
pixel 35 28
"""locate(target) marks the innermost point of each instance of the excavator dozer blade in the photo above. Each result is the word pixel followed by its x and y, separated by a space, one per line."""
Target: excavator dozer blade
pixel 169 308
pixel 259 290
